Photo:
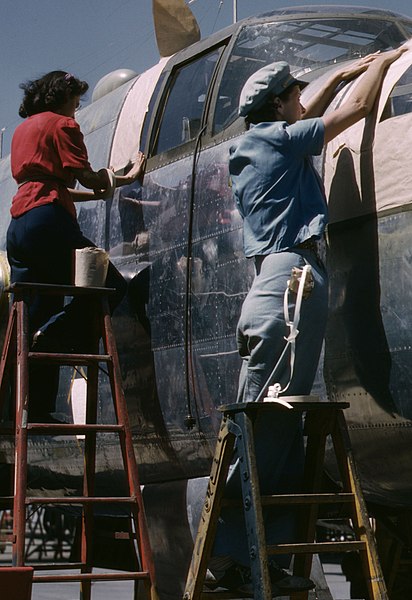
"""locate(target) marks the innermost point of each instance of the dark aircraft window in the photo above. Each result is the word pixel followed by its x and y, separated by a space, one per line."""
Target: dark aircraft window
pixel 318 52
pixel 182 116
pixel 305 45
pixel 352 39
pixel 400 100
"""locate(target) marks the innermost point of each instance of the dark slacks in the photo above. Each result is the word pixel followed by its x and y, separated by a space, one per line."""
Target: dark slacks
pixel 40 249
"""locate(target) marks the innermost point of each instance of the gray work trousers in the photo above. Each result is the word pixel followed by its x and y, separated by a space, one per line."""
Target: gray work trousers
pixel 278 440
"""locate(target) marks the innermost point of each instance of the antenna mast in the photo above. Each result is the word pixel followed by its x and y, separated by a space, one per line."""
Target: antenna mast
pixel 221 2
pixel 2 130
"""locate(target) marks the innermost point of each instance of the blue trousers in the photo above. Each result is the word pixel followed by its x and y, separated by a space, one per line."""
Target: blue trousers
pixel 278 440
pixel 40 249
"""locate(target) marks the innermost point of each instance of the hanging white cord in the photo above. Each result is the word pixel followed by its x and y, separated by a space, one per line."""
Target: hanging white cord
pixel 276 389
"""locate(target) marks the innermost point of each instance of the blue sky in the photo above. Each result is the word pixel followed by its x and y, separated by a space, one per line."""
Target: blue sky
pixel 93 37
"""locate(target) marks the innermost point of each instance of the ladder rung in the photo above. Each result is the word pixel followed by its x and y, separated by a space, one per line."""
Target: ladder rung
pixel 71 428
pixel 69 359
pixel 315 548
pixel 92 577
pixel 81 500
pixel 339 498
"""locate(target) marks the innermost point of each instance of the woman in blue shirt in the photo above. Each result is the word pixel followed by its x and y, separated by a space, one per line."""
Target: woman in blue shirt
pixel 281 200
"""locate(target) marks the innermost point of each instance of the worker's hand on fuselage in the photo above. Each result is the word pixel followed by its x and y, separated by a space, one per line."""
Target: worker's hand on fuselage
pixel 361 100
pixel 351 71
pixel 360 66
pixel 137 171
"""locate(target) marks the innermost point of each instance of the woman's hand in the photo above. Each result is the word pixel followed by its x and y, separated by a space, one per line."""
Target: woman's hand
pixel 354 69
pixel 360 66
pixel 136 173
pixel 390 56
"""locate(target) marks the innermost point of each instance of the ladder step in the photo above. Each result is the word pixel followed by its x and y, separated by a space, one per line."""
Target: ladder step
pixel 316 548
pixel 69 359
pixel 339 498
pixel 91 577
pixel 71 428
pixel 82 500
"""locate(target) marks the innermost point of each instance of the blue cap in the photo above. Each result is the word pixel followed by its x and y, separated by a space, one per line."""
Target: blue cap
pixel 274 78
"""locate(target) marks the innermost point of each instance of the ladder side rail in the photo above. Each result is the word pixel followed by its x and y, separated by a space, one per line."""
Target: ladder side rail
pixel 20 467
pixel 9 349
pixel 126 442
pixel 89 480
pixel 371 565
pixel 110 349
pixel 255 529
pixel 211 509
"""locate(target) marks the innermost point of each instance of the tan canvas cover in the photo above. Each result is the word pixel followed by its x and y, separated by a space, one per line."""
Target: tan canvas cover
pixel 367 167
pixel 126 141
pixel 175 26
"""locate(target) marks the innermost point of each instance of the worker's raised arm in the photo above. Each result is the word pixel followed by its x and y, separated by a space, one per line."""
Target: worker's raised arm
pixel 361 101
pixel 99 181
pixel 318 103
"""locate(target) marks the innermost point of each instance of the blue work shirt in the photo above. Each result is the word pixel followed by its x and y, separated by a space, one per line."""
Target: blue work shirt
pixel 277 190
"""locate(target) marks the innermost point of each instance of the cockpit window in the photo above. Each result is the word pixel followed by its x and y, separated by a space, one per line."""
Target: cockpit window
pixel 306 45
pixel 182 115
pixel 400 100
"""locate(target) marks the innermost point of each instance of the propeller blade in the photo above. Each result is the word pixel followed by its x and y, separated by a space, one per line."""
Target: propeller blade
pixel 175 26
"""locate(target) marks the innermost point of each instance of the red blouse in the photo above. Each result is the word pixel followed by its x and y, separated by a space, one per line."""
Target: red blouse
pixel 44 149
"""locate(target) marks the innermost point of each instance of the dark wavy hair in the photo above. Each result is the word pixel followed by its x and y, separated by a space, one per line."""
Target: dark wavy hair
pixel 50 92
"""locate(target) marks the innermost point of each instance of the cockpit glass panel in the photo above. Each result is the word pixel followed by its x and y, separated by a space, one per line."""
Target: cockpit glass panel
pixel 182 115
pixel 400 100
pixel 306 45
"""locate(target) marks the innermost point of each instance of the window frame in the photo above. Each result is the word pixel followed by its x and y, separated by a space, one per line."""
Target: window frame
pixel 169 77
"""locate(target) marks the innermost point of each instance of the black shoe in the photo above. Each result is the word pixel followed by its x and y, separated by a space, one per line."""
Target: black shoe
pixel 238 579
pixel 44 342
pixel 288 583
pixel 233 578
pixel 47 418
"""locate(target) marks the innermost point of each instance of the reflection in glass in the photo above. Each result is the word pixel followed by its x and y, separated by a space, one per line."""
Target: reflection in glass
pixel 182 116
pixel 306 45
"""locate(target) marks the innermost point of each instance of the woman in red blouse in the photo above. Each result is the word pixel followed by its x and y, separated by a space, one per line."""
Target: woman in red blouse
pixel 48 155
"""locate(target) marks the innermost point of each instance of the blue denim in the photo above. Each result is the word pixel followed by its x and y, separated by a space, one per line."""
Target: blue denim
pixel 278 439
pixel 40 249
pixel 261 329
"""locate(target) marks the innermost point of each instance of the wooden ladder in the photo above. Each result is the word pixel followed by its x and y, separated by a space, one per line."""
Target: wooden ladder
pixel 321 420
pixel 15 360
